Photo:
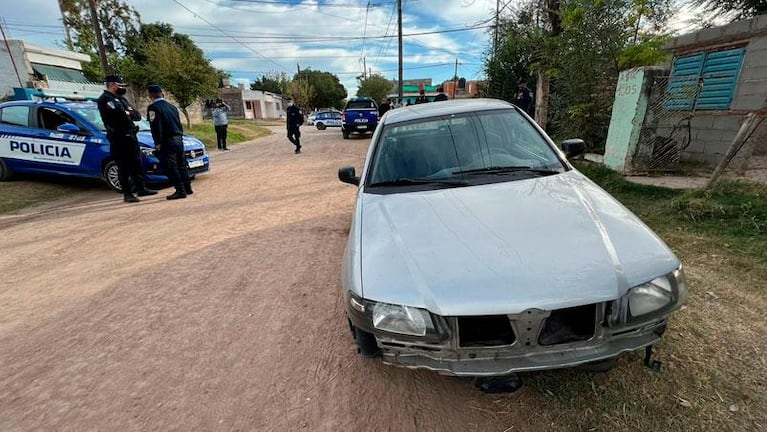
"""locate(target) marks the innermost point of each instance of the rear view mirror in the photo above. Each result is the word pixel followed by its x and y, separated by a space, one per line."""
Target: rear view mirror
pixel 573 147
pixel 348 175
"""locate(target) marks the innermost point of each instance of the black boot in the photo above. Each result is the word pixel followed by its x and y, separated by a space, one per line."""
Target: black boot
pixel 130 198
pixel 146 192
pixel 179 194
pixel 188 188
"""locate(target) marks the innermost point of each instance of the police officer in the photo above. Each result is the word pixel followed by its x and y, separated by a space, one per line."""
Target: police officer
pixel 295 120
pixel 118 116
pixel 167 133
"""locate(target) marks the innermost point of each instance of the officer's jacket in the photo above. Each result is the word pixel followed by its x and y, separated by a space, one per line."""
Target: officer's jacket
pixel 164 121
pixel 295 117
pixel 118 114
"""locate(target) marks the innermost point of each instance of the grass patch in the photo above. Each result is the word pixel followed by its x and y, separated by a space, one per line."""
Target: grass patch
pixel 714 366
pixel 239 130
pixel 15 195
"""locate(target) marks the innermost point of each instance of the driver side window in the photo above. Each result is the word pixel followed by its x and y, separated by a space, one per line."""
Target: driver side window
pixel 51 118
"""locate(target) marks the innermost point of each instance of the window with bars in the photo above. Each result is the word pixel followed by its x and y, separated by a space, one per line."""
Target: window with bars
pixel 704 81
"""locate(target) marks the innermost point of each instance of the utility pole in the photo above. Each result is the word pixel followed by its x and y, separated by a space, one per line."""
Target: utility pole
pixel 455 77
pixel 10 53
pixel 99 38
pixel 495 31
pixel 298 83
pixel 364 68
pixel 399 38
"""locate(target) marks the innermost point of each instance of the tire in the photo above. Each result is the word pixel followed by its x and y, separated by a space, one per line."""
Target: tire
pixel 366 343
pixel 5 172
pixel 109 174
pixel 320 126
pixel 345 133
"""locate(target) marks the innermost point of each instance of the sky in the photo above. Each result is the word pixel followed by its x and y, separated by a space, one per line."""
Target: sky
pixel 251 38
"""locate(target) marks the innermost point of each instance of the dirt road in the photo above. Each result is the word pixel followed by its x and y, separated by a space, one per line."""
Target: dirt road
pixel 218 312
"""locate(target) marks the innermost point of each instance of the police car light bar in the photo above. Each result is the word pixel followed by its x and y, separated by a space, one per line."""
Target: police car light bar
pixel 39 95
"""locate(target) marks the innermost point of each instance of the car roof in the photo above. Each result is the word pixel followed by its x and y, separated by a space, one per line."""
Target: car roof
pixel 436 109
pixel 68 104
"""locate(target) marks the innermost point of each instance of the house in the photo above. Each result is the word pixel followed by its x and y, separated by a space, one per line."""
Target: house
pixel 251 104
pixel 54 71
pixel 453 89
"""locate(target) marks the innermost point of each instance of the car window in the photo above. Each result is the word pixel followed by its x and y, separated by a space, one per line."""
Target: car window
pixel 92 115
pixel 51 118
pixel 360 104
pixel 443 147
pixel 15 115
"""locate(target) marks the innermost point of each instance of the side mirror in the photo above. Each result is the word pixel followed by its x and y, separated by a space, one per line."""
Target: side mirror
pixel 573 147
pixel 348 175
pixel 70 129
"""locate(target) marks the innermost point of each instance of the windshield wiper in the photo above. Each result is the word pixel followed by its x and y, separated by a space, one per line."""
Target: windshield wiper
pixel 410 181
pixel 507 169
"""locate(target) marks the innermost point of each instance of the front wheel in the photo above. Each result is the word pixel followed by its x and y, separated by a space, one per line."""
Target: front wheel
pixel 109 173
pixel 5 172
pixel 345 134
pixel 320 126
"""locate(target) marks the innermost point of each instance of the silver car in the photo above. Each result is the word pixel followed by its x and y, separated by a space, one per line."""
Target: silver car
pixel 476 249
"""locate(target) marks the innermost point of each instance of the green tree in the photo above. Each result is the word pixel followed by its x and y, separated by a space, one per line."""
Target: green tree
pixel 302 93
pixel 118 22
pixel 327 89
pixel 274 82
pixel 375 86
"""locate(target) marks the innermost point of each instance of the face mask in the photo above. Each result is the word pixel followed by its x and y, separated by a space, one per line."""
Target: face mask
pixel 121 91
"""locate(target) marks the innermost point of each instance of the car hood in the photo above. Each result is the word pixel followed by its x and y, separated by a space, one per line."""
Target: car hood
pixel 548 243
pixel 190 142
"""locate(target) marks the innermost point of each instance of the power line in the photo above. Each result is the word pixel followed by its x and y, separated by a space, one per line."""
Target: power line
pixel 332 5
pixel 232 37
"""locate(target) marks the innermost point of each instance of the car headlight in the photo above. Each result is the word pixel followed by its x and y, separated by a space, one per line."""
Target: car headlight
pixel 665 292
pixel 405 320
pixel 147 151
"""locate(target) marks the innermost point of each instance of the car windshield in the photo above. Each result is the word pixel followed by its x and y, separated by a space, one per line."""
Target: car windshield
pixel 491 146
pixel 91 113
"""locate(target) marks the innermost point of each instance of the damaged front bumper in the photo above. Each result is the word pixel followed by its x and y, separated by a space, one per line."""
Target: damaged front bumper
pixel 501 345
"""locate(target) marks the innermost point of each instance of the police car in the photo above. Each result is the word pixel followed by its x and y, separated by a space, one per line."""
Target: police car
pixel 69 138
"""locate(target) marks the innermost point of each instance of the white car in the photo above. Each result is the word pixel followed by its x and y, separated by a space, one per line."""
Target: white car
pixel 476 249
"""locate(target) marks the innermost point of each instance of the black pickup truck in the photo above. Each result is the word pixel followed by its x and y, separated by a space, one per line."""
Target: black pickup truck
pixel 360 115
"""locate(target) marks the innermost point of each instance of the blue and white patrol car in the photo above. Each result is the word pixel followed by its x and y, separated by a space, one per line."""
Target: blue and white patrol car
pixel 69 138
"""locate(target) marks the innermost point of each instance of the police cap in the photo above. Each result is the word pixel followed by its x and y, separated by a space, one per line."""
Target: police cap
pixel 154 89
pixel 117 79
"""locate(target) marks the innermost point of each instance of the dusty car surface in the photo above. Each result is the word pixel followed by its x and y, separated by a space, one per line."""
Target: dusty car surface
pixel 476 249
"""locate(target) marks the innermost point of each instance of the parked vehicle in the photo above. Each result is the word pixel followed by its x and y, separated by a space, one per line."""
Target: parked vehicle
pixel 69 139
pixel 310 118
pixel 477 249
pixel 359 116
pixel 327 119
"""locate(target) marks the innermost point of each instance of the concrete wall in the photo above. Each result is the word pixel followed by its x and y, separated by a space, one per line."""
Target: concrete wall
pixel 263 105
pixel 713 131
pixel 628 115
pixel 8 78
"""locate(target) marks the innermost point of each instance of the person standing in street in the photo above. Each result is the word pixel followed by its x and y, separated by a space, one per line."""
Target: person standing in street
pixel 168 133
pixel 385 106
pixel 220 122
pixel 524 97
pixel 118 116
pixel 421 97
pixel 441 96
pixel 295 120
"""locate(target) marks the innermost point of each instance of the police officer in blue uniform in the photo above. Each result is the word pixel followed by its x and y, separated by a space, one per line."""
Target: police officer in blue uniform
pixel 167 133
pixel 295 120
pixel 118 116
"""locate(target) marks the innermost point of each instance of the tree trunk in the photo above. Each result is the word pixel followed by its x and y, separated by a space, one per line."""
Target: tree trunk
pixel 186 116
pixel 542 100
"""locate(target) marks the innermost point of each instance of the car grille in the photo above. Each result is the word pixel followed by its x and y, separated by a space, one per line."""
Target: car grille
pixel 569 325
pixel 191 154
pixel 479 331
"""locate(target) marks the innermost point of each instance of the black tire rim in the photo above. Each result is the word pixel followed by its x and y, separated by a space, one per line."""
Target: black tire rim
pixel 110 175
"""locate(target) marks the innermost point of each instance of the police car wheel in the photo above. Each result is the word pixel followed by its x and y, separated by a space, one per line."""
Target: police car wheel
pixel 5 173
pixel 110 176
pixel 320 126
pixel 345 134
